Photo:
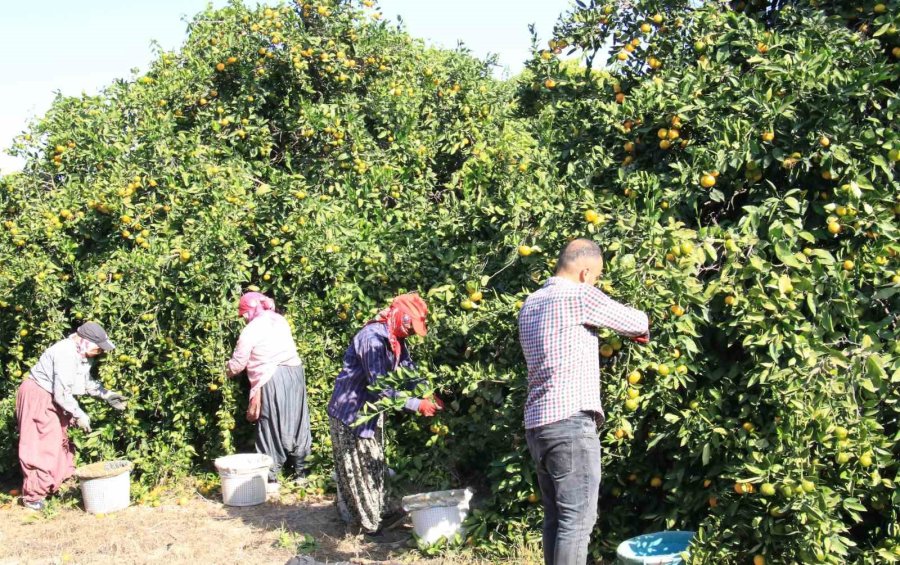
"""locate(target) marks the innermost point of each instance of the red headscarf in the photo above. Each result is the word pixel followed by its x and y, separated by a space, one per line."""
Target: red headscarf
pixel 253 304
pixel 406 315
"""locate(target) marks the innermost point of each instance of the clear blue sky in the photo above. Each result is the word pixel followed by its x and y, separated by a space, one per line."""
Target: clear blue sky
pixel 74 46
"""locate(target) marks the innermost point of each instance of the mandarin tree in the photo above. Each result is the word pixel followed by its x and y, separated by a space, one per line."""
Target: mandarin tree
pixel 310 150
pixel 747 152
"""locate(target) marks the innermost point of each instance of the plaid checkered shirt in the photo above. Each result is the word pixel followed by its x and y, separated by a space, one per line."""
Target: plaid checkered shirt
pixel 557 330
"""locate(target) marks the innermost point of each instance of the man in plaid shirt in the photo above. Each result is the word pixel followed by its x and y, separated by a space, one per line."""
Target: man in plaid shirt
pixel 557 330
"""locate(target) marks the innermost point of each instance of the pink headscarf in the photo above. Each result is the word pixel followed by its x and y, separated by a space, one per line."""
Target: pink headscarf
pixel 253 304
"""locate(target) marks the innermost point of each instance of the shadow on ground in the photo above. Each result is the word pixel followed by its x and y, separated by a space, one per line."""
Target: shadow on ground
pixel 192 530
pixel 315 530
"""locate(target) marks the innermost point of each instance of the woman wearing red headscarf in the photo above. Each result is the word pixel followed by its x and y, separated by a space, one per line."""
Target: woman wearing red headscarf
pixel 266 350
pixel 377 349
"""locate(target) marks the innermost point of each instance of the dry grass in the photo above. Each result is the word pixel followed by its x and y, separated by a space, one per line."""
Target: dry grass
pixel 203 531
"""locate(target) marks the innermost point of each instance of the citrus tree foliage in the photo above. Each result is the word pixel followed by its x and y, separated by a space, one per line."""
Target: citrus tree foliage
pixel 737 163
pixel 742 166
pixel 309 150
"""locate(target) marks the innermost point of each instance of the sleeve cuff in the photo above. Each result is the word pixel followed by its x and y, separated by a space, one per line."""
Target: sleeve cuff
pixel 412 405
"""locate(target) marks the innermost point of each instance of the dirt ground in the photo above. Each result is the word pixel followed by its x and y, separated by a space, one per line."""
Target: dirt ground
pixel 202 531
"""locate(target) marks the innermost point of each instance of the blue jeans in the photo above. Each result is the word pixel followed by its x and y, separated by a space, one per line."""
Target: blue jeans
pixel 567 456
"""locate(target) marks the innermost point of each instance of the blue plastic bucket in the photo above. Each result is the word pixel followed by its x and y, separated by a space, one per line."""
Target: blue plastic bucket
pixel 659 548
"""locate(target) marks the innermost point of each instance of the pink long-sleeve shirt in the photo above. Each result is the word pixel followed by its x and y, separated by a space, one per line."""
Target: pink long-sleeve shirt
pixel 265 343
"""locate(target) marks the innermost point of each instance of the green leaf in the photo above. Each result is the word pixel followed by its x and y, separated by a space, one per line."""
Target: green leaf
pixel 656 440
pixel 853 504
pixel 881 163
pixel 758 263
pixel 439 289
pixel 787 257
pixel 875 367
pixel 868 385
pixel 755 470
pixel 824 256
pixel 886 292
pixel 793 204
pixel 840 154
pixel 784 284
pixel 882 30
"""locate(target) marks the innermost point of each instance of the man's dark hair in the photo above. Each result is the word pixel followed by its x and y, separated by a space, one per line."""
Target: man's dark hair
pixel 576 250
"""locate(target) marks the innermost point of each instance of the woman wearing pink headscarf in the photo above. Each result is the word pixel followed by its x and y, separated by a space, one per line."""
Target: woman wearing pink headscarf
pixel 278 406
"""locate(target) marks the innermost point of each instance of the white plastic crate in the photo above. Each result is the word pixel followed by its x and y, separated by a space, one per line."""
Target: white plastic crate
pixel 244 477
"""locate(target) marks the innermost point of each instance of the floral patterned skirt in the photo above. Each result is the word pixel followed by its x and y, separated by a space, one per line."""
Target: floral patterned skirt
pixel 359 467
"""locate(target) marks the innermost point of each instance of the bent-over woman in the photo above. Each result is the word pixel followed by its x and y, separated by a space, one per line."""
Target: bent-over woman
pixel 46 407
pixel 377 349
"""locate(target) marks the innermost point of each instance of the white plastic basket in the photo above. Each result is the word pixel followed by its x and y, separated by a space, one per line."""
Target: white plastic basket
pixel 438 514
pixel 244 477
pixel 110 493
